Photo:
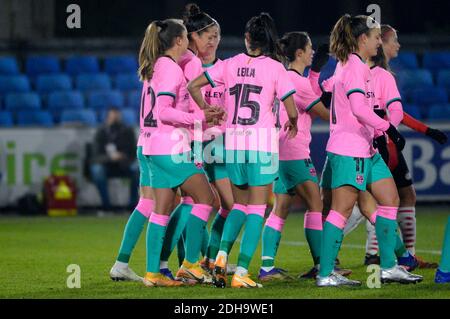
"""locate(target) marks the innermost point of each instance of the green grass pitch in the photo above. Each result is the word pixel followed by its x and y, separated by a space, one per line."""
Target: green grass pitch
pixel 35 253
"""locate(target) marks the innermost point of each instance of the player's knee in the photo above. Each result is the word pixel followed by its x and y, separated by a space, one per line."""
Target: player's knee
pixel 394 200
pixel 207 199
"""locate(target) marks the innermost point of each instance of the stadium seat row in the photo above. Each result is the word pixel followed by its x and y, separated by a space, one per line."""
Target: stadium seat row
pixel 37 65
pixel 45 84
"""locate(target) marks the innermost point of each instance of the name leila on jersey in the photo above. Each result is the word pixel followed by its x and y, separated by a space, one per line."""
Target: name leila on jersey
pixel 246 72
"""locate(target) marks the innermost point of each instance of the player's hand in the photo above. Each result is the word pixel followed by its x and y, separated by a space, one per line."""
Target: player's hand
pixel 381 145
pixel 291 128
pixel 396 137
pixel 437 135
pixel 213 115
pixel 320 57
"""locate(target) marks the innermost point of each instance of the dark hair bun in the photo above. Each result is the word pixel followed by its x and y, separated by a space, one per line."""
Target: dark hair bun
pixel 191 10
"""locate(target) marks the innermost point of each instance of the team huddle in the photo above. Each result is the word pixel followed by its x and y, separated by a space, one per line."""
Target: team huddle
pixel 223 133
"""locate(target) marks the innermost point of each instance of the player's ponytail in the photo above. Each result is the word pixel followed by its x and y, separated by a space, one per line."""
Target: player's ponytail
pixel 263 35
pixel 159 37
pixel 196 20
pixel 345 34
pixel 291 42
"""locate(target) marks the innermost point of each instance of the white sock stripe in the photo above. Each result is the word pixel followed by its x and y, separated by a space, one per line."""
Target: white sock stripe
pixel 266 258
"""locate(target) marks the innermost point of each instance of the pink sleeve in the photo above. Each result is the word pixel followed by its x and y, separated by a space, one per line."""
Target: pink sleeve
pixel 216 74
pixel 364 113
pixel 395 113
pixel 166 112
pixel 168 85
pixel 284 87
pixel 313 78
pixel 309 98
pixel 393 99
pixel 327 85
pixel 355 79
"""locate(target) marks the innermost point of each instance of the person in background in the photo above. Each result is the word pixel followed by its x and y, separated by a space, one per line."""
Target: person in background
pixel 114 155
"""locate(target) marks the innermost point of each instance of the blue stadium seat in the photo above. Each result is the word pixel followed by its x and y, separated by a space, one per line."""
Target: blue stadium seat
pixel 127 82
pixel 6 119
pixel 65 100
pixel 405 61
pixel 439 112
pixel 443 79
pixel 22 101
pixel 412 110
pixel 121 64
pixel 411 79
pixel 60 101
pixel 129 116
pixel 134 99
pixel 104 99
pixel 86 117
pixel 436 61
pixel 8 66
pixel 14 84
pixel 82 64
pixel 35 118
pixel 428 96
pixel 54 82
pixel 37 65
pixel 90 82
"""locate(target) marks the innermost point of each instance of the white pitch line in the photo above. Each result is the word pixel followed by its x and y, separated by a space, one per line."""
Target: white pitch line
pixel 354 246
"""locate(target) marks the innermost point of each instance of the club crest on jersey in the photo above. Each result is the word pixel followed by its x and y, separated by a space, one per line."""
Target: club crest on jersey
pixel 313 172
pixel 359 179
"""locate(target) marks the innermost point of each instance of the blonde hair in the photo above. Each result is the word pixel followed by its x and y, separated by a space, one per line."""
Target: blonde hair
pixel 159 37
pixel 345 34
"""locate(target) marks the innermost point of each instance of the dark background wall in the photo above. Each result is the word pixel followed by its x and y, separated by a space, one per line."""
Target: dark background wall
pixel 129 18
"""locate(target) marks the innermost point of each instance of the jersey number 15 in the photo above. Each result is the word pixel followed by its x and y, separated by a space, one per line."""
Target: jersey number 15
pixel 242 95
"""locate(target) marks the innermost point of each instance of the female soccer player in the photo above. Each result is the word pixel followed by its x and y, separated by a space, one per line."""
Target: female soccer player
pixel 168 150
pixel 388 99
pixel 352 164
pixel 297 174
pixel 141 214
pixel 252 81
pixel 214 155
pixel 200 27
pixel 394 158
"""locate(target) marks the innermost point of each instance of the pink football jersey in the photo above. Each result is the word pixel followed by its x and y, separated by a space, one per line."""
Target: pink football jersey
pixel 173 119
pixel 147 122
pixel 350 135
pixel 305 99
pixel 386 94
pixel 252 83
pixel 214 96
